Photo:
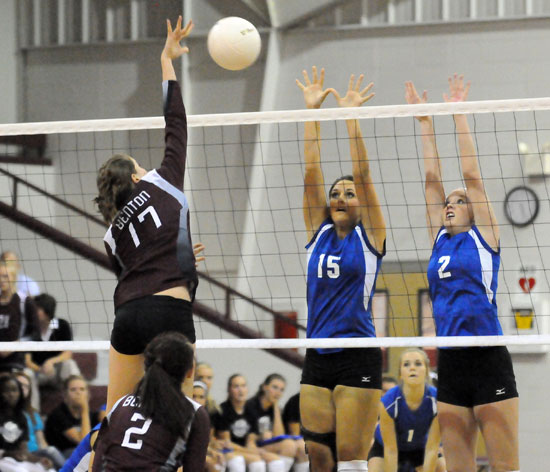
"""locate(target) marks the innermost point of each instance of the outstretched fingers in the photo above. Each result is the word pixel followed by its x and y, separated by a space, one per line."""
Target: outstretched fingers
pixel 306 78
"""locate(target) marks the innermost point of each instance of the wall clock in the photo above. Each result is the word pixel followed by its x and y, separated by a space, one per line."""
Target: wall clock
pixel 521 206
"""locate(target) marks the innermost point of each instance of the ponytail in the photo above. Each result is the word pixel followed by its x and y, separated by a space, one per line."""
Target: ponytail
pixel 168 358
pixel 115 185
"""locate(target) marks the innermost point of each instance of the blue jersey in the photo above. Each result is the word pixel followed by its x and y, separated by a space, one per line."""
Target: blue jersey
pixel 411 427
pixel 80 458
pixel 463 278
pixel 341 278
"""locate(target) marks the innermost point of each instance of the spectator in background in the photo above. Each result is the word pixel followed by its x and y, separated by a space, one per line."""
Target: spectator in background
pixel 388 383
pixel 264 408
pixel 37 443
pixel 24 285
pixel 291 422
pixel 51 367
pixel 205 373
pixel 291 415
pixel 14 431
pixel 237 428
pixel 71 421
pixel 18 319
pixel 218 457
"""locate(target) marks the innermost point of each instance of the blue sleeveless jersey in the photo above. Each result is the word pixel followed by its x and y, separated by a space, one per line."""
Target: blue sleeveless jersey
pixel 341 278
pixel 463 278
pixel 80 458
pixel 411 427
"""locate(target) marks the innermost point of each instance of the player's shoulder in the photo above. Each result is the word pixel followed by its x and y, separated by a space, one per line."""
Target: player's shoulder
pixel 431 391
pixel 392 395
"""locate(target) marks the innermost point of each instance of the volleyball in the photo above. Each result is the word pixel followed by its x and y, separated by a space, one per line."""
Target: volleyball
pixel 234 43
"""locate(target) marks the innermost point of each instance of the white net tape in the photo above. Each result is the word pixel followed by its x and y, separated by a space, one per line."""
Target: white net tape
pixel 320 343
pixel 286 116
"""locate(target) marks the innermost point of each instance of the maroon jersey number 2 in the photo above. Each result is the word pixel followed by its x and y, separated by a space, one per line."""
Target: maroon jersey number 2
pixel 127 441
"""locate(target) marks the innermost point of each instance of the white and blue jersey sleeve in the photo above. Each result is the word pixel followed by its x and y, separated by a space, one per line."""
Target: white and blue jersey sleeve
pixel 411 426
pixel 341 279
pixel 463 279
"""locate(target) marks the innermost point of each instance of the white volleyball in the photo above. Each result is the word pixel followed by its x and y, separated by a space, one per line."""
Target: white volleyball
pixel 234 43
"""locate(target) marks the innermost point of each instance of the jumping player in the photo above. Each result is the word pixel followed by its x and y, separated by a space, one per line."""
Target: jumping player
pixel 149 240
pixel 476 386
pixel 340 388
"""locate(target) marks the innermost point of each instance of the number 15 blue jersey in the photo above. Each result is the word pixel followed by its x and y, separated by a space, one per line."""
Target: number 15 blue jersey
pixel 341 279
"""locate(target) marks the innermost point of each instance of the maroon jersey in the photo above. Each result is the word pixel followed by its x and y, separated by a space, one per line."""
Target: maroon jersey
pixel 149 242
pixel 129 442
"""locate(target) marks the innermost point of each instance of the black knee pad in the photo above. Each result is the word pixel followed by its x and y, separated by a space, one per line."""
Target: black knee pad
pixel 327 439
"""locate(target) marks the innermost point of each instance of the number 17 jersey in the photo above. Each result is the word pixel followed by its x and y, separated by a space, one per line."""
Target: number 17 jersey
pixel 341 279
pixel 149 241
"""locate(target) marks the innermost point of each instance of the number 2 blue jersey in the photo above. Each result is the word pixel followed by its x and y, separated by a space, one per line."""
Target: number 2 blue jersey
pixel 341 279
pixel 463 278
pixel 411 426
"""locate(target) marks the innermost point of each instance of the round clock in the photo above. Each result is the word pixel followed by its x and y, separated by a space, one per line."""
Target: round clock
pixel 521 206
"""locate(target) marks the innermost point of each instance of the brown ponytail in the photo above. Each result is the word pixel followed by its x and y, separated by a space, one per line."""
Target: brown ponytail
pixel 114 184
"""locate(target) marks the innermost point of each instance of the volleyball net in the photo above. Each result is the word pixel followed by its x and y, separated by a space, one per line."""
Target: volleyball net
pixel 244 183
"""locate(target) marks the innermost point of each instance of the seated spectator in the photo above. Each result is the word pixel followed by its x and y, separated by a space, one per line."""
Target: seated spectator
pixel 37 443
pixel 14 431
pixel 205 373
pixel 71 421
pixel 291 422
pixel 49 367
pixel 218 457
pixel 18 319
pixel 24 285
pixel 291 415
pixel 264 408
pixel 238 430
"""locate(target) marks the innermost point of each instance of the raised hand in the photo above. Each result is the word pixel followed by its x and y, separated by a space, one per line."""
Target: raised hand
pixel 172 48
pixel 354 97
pixel 457 91
pixel 314 95
pixel 412 97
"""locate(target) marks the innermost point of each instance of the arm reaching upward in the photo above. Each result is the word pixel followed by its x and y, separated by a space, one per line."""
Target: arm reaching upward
pixel 315 202
pixel 371 210
pixel 172 47
pixel 175 153
pixel 435 193
pixel 484 216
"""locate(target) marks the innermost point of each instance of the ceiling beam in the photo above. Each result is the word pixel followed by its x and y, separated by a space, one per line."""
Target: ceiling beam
pixel 287 13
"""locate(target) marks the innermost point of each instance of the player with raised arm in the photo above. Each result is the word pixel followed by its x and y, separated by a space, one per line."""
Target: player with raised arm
pixel 476 385
pixel 340 388
pixel 149 240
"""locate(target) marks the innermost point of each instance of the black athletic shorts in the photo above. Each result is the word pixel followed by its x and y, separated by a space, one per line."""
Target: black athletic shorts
pixel 414 458
pixel 475 376
pixel 138 321
pixel 352 367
